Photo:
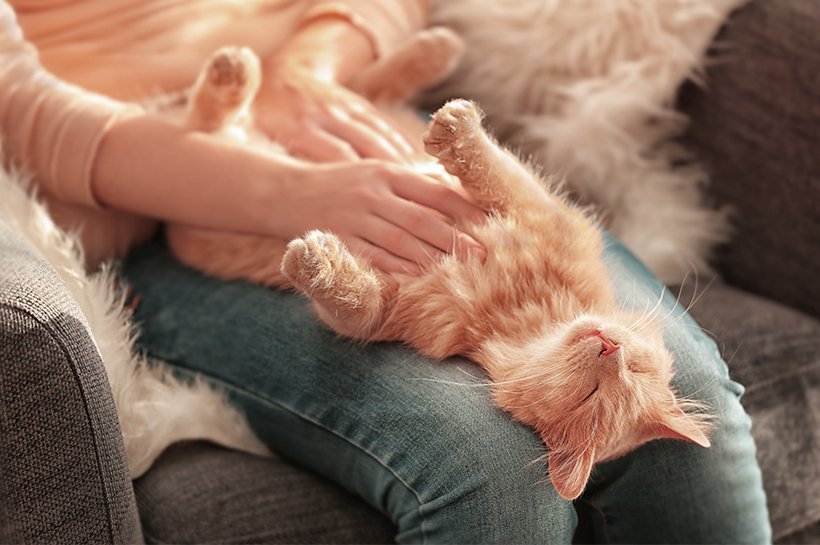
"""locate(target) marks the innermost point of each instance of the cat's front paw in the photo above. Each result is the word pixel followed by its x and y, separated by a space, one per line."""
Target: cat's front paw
pixel 451 135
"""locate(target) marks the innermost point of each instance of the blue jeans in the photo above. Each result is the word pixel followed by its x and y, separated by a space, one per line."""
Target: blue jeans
pixel 421 440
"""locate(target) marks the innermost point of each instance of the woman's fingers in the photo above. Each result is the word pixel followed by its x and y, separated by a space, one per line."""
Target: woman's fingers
pixel 400 242
pixel 315 144
pixel 367 142
pixel 429 226
pixel 381 258
pixel 373 118
pixel 435 195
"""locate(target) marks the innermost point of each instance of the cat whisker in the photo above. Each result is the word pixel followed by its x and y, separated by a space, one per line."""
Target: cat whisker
pixel 543 458
pixel 700 388
pixel 693 301
pixel 734 354
pixel 700 328
pixel 647 317
pixel 452 382
pixel 680 292
pixel 677 299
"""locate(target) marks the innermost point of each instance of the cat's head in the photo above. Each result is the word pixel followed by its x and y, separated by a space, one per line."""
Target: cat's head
pixel 595 389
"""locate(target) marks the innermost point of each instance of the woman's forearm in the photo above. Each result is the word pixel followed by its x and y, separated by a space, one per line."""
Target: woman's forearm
pixel 150 167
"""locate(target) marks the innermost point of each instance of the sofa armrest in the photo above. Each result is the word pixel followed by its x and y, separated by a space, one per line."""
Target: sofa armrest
pixel 64 474
pixel 756 125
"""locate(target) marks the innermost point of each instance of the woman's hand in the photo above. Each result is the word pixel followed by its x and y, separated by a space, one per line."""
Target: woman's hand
pixel 317 119
pixel 400 220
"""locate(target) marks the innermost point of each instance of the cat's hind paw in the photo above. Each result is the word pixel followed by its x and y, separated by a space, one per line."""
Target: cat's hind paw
pixel 436 52
pixel 320 266
pixel 224 90
pixel 347 293
pixel 233 75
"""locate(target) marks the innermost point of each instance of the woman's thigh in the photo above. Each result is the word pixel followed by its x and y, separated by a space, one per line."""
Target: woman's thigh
pixel 422 441
pixel 671 490
pixel 417 439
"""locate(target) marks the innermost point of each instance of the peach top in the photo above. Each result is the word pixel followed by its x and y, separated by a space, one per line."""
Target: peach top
pixel 69 67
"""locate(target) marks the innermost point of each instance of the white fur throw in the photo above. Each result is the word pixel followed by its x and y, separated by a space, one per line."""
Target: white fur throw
pixel 586 87
pixel 154 409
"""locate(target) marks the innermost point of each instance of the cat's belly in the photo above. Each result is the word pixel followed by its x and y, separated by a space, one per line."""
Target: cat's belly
pixel 529 282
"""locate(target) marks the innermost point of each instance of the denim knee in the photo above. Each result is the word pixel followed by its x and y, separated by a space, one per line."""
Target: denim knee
pixel 669 490
pixel 482 477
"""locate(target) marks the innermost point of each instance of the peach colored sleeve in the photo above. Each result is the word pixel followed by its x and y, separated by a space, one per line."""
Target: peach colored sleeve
pixel 51 128
pixel 386 23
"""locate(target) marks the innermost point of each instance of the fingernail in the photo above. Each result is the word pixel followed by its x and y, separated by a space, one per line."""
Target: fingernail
pixel 469 247
pixel 478 251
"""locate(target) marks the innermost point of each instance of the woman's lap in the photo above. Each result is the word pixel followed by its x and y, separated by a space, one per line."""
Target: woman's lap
pixel 422 441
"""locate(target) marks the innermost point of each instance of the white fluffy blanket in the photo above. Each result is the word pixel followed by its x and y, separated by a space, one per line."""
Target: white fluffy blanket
pixel 586 88
pixel 155 410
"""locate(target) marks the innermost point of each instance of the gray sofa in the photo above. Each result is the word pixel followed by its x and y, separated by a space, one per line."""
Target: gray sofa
pixel 63 475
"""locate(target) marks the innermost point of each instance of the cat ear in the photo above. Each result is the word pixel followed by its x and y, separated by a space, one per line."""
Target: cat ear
pixel 679 425
pixel 569 470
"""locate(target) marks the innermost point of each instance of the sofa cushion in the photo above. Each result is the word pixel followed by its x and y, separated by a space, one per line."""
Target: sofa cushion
pixel 774 351
pixel 755 125
pixel 202 493
pixel 64 475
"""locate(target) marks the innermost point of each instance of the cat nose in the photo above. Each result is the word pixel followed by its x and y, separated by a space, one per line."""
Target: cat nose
pixel 608 346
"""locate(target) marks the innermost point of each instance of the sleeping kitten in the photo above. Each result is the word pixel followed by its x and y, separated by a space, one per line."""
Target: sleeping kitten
pixel 537 314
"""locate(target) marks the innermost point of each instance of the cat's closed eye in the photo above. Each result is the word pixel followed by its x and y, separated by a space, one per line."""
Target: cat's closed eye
pixel 589 395
pixel 635 367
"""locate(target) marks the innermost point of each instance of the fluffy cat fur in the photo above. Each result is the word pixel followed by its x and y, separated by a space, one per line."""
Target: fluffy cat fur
pixel 587 89
pixel 538 315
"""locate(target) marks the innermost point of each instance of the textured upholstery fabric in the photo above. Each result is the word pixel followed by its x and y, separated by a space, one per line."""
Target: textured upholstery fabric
pixel 201 493
pixel 756 126
pixel 775 352
pixel 64 475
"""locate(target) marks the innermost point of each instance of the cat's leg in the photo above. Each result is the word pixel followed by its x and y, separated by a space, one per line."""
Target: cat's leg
pixel 350 296
pixel 424 60
pixel 491 174
pixel 220 99
pixel 229 256
pixel 224 89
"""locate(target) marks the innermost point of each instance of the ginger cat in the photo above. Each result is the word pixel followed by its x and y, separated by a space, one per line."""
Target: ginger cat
pixel 538 314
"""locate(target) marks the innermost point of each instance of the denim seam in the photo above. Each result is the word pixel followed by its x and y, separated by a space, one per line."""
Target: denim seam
pixel 266 400
pixel 603 520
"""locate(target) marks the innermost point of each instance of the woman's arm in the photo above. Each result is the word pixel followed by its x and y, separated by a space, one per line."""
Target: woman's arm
pixel 87 150
pixel 150 167
pixel 393 215
pixel 303 102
